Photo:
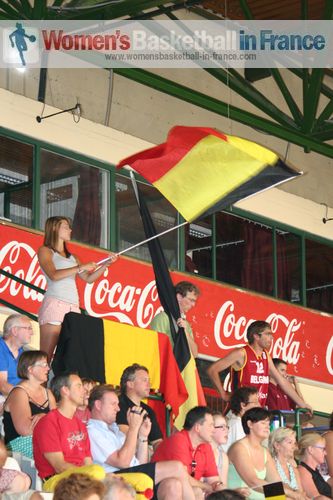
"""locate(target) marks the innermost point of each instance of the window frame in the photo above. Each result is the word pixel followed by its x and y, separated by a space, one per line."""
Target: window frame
pixel 39 145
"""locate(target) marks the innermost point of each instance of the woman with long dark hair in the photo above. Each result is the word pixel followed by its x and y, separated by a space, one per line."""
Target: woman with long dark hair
pixel 61 268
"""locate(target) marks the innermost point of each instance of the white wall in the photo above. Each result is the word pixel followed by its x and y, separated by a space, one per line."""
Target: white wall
pixel 106 144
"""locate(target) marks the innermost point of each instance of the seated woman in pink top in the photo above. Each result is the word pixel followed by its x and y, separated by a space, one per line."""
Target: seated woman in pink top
pixel 11 481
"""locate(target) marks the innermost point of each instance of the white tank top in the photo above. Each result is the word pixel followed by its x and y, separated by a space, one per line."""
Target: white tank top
pixel 64 289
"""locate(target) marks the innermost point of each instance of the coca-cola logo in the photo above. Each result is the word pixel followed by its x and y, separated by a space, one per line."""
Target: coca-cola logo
pixel 127 293
pixel 124 302
pixel 116 301
pixel 13 254
pixel 329 353
pixel 230 332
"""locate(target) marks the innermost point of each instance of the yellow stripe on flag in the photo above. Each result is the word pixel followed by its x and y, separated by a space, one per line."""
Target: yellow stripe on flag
pixel 277 497
pixel 251 148
pixel 125 345
pixel 216 166
pixel 189 378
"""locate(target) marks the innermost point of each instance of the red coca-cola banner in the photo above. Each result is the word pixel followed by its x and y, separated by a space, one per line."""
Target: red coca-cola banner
pixel 127 293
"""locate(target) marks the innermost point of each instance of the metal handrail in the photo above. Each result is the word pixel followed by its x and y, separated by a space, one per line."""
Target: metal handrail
pixel 159 397
pixel 297 418
pixel 29 285
pixel 18 309
pixel 22 282
pixel 298 413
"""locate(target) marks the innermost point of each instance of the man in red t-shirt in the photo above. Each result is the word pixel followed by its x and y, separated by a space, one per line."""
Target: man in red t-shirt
pixel 60 440
pixel 191 447
pixel 251 365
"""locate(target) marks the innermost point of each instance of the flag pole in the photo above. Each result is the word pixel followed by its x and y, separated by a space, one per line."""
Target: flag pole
pixel 135 188
pixel 152 238
pixel 99 263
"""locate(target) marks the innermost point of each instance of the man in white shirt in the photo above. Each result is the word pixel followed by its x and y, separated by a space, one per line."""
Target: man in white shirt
pixel 116 451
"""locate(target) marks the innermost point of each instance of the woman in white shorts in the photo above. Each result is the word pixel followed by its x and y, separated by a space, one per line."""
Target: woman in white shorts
pixel 61 268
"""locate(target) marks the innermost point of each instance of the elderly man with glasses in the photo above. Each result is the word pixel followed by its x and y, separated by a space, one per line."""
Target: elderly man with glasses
pixel 17 332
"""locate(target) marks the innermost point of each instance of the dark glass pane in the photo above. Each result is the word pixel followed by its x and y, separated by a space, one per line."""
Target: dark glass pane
pixel 288 247
pixel 244 253
pixel 319 276
pixel 16 181
pixel 76 190
pixel 130 229
pixel 198 244
pixel 229 248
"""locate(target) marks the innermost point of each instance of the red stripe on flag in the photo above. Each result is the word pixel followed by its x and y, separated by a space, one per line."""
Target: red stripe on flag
pixel 172 385
pixel 200 392
pixel 179 142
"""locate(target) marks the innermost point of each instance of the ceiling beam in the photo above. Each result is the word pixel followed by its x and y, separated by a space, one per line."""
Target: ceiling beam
pixel 237 83
pixel 127 8
pixel 7 11
pixel 246 9
pixel 26 7
pixel 221 108
pixel 325 114
pixel 293 108
pixel 328 10
pixel 312 99
pixel 304 75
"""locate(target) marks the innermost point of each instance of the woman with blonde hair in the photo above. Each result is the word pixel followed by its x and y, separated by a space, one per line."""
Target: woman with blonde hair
pixel 27 402
pixel 61 268
pixel 312 452
pixel 327 468
pixel 282 445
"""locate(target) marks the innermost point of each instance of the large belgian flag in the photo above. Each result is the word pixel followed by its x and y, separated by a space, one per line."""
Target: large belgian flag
pixel 167 296
pixel 102 349
pixel 200 170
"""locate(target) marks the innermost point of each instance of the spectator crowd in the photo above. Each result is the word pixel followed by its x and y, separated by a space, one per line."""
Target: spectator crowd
pixel 90 441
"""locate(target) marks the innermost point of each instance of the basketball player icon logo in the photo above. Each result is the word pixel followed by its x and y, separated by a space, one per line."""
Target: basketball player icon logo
pixel 18 39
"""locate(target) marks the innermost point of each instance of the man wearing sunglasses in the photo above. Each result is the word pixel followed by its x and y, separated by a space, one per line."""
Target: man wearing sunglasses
pixel 191 447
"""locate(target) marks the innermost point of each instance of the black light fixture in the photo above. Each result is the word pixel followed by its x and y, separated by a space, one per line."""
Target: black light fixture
pixel 76 112
pixel 42 84
pixel 326 219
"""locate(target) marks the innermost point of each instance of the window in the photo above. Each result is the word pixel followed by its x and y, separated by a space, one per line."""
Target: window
pixel 16 162
pixel 319 276
pixel 230 244
pixel 78 191
pixel 289 276
pixel 225 246
pixel 198 244
pixel 244 253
